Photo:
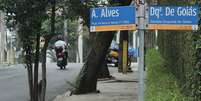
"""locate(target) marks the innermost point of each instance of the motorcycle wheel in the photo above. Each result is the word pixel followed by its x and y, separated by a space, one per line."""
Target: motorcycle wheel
pixel 116 64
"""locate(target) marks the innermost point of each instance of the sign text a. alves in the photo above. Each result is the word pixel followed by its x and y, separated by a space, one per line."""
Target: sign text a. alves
pixel 112 18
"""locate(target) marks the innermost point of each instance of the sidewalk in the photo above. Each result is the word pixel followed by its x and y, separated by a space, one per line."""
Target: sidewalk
pixel 122 88
pixel 5 66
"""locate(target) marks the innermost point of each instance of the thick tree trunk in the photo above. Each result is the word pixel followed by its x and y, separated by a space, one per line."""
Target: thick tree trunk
pixel 87 79
pixel 104 71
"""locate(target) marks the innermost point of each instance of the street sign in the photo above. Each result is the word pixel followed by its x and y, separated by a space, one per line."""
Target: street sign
pixel 173 17
pixel 112 18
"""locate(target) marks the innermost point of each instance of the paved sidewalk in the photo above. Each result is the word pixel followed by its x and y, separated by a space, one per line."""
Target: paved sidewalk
pixel 122 88
pixel 6 66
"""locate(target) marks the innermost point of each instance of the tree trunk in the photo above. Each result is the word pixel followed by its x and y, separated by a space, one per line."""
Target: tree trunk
pixel 87 79
pixel 36 65
pixel 44 80
pixel 53 17
pixel 104 71
pixel 29 71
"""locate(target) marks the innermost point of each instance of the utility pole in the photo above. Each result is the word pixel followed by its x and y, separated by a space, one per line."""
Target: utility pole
pixel 123 48
pixel 156 31
pixel 123 52
pixel 141 28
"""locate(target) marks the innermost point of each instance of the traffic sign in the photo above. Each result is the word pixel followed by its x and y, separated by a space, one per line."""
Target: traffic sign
pixel 112 18
pixel 173 17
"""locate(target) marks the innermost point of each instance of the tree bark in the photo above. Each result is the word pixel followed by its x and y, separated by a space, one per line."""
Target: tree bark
pixel 36 65
pixel 87 78
pixel 53 17
pixel 104 71
pixel 29 71
pixel 44 80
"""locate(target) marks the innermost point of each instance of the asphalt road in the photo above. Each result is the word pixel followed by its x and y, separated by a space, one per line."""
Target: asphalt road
pixel 14 84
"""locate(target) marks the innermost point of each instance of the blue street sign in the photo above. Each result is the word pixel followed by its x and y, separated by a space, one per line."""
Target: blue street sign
pixel 187 15
pixel 112 18
pixel 173 17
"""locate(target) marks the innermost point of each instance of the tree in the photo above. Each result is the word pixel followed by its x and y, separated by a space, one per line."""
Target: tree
pixel 26 16
pixel 87 79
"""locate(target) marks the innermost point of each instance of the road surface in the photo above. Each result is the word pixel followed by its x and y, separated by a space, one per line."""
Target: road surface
pixel 14 84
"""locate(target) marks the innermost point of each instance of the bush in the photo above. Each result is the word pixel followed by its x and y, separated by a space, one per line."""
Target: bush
pixel 161 85
pixel 182 59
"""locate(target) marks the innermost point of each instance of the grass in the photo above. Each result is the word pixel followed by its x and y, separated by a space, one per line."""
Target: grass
pixel 161 85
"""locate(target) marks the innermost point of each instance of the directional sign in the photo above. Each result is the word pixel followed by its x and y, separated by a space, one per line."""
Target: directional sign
pixel 173 17
pixel 112 18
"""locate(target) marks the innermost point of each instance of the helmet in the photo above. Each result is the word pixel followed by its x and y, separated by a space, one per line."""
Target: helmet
pixel 59 37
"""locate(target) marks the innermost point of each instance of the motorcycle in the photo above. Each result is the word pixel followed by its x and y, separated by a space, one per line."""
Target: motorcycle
pixel 112 57
pixel 61 57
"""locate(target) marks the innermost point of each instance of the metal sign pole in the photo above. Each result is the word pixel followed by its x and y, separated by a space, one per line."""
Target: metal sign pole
pixel 141 28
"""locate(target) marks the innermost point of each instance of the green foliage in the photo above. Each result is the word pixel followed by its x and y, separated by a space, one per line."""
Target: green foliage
pixel 161 85
pixel 181 51
pixel 176 2
pixel 181 58
pixel 59 23
pixel 25 16
pixel 153 60
pixel 78 8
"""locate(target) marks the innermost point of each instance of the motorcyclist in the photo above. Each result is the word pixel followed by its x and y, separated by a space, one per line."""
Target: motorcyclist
pixel 61 47
pixel 112 55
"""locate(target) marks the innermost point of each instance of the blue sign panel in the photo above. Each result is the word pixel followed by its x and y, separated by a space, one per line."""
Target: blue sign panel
pixel 173 15
pixel 112 18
